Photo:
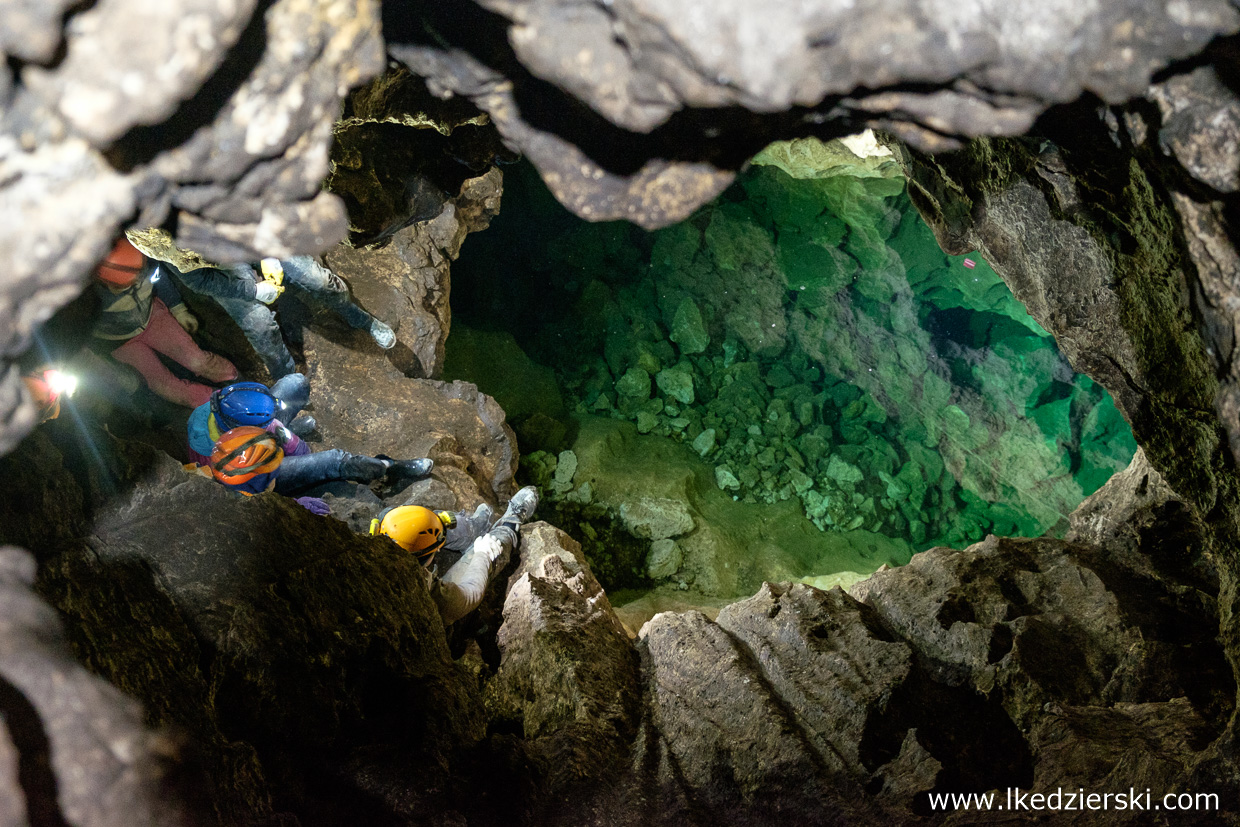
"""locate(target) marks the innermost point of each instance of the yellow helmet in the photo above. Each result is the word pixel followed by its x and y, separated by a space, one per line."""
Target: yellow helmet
pixel 414 529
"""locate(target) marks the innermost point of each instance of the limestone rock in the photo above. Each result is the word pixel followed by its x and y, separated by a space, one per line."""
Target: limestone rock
pixel 664 559
pixel 688 330
pixel 248 592
pixel 405 282
pixel 72 747
pixel 763 662
pixel 676 383
pixel 634 383
pixel 559 630
pixel 367 405
pixel 656 518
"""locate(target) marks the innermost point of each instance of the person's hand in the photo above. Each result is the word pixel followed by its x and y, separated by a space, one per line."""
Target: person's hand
pixel 184 318
pixel 266 292
pixel 314 505
pixel 488 546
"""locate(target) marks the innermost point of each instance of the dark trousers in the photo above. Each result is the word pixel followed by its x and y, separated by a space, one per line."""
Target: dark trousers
pixel 306 471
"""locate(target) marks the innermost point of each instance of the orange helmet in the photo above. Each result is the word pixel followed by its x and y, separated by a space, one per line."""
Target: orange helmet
pixel 122 265
pixel 414 529
pixel 246 459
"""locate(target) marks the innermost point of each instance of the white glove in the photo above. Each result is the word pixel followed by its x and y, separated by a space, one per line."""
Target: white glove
pixel 488 546
pixel 184 318
pixel 266 292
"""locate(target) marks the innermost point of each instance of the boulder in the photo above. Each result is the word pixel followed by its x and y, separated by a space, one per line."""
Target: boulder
pixel 688 330
pixel 559 630
pixel 676 383
pixel 664 559
pixel 656 518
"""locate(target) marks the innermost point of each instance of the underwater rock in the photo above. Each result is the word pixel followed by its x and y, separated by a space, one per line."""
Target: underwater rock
pixel 664 559
pixel 565 469
pixel 843 472
pixel 676 383
pixel 725 479
pixel 635 383
pixel 704 442
pixel 688 330
pixel 656 518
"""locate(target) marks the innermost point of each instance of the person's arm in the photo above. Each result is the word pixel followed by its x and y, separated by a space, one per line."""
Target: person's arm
pixel 460 590
pixel 163 286
pixel 165 289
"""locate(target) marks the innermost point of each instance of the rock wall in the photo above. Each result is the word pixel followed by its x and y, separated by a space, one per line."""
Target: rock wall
pixel 1139 305
pixel 216 116
pixel 1032 663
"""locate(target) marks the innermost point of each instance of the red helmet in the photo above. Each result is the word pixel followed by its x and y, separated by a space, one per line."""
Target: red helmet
pixel 122 265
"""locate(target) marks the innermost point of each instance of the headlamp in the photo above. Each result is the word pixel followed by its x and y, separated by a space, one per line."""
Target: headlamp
pixel 59 382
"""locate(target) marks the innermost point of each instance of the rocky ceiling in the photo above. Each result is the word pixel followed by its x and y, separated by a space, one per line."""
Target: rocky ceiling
pixel 1113 221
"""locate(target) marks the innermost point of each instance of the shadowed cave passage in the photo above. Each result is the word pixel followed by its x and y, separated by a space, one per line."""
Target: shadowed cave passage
pixel 805 336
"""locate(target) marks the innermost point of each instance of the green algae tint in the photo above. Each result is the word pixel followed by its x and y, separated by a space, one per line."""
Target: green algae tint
pixel 808 340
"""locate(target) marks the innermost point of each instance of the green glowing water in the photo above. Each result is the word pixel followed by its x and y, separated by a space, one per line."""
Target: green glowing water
pixel 808 340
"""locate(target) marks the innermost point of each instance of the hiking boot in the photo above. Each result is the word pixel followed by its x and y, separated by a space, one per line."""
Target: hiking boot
pixel 383 335
pixel 482 519
pixel 521 507
pixel 417 468
pixel 303 425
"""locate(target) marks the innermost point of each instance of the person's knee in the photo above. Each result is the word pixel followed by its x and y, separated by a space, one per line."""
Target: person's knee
pixel 293 391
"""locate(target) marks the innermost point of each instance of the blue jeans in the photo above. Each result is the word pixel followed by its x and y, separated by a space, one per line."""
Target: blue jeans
pixel 299 473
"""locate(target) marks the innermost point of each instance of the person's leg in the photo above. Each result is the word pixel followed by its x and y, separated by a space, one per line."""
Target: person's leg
pixel 308 470
pixel 258 324
pixel 139 355
pixel 292 392
pixel 329 290
pixel 520 508
pixel 469 527
pixel 326 288
pixel 164 334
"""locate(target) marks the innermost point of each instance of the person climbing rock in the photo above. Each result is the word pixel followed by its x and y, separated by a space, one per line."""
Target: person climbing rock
pixel 143 317
pixel 485 544
pixel 232 460
pixel 276 410
pixel 246 294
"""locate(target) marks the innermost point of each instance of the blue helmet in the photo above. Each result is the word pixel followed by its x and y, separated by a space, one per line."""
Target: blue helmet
pixel 243 403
